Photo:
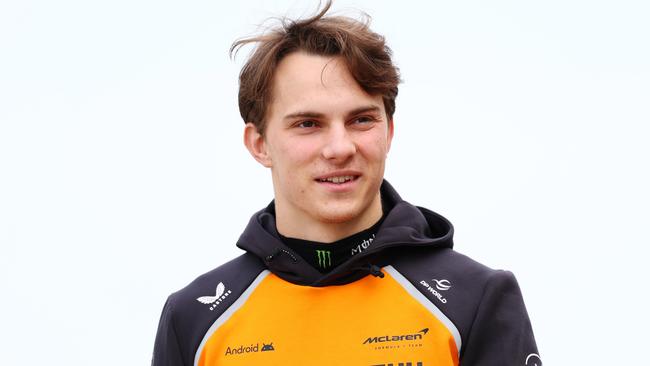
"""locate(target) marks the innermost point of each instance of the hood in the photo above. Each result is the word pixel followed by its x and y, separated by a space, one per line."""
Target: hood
pixel 406 227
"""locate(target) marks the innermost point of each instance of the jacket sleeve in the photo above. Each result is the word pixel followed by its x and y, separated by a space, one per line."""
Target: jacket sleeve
pixel 166 350
pixel 501 334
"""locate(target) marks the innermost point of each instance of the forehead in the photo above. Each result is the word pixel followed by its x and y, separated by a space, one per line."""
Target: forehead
pixel 316 83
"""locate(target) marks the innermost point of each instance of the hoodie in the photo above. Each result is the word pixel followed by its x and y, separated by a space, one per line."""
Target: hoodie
pixel 408 299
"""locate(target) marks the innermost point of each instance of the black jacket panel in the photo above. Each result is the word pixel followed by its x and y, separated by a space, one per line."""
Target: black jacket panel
pixel 185 319
pixel 485 305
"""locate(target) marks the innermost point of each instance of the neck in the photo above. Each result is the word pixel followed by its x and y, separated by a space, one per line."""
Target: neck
pixel 306 227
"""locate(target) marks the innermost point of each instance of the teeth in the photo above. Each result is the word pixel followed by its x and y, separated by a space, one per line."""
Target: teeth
pixel 338 180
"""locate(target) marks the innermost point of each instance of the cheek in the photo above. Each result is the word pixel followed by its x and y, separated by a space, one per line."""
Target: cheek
pixel 374 147
pixel 294 155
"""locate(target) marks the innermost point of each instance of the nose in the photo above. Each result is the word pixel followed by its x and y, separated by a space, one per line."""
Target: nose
pixel 339 145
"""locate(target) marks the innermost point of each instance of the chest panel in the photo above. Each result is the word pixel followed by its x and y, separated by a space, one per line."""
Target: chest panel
pixel 373 321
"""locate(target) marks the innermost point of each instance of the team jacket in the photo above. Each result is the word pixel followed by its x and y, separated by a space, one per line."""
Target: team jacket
pixel 409 300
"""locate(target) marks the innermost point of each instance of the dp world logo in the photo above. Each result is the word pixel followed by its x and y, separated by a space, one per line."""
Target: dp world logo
pixel 442 285
pixel 436 287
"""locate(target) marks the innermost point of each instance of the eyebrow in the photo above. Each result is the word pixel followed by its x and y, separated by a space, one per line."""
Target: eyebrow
pixel 309 114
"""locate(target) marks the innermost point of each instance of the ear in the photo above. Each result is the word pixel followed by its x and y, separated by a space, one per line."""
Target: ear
pixel 256 145
pixel 391 130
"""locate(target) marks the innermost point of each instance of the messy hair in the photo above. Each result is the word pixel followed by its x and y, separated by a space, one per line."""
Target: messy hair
pixel 365 53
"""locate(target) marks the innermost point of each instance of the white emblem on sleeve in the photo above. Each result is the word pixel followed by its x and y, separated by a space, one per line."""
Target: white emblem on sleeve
pixel 533 358
pixel 218 297
pixel 442 285
pixel 210 299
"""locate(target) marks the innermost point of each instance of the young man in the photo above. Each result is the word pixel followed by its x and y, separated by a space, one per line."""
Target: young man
pixel 338 269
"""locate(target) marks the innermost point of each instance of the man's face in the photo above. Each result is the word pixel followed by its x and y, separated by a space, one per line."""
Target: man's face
pixel 326 142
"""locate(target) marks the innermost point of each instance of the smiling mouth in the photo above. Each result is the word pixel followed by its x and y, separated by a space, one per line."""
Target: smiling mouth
pixel 338 180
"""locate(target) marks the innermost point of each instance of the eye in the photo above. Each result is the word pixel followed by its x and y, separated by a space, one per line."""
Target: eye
pixel 306 124
pixel 364 119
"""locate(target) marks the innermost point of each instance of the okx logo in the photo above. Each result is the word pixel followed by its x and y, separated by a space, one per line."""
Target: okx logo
pixel 324 258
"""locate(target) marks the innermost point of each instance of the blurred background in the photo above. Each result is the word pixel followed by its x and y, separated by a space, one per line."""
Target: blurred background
pixel 123 175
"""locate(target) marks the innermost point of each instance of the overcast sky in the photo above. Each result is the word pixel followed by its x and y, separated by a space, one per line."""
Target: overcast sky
pixel 123 175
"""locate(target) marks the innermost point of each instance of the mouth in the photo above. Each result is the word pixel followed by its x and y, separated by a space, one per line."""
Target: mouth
pixel 341 179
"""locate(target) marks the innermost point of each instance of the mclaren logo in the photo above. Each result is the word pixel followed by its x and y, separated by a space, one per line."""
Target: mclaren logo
pixel 219 296
pixel 396 338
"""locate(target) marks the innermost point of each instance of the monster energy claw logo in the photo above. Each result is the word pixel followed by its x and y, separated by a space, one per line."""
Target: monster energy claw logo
pixel 324 258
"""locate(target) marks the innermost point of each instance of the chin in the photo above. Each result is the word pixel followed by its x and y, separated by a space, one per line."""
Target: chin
pixel 337 219
pixel 338 215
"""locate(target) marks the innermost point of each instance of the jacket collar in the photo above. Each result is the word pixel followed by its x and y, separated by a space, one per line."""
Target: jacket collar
pixel 405 227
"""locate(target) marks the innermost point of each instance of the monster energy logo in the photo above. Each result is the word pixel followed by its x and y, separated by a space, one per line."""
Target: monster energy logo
pixel 324 258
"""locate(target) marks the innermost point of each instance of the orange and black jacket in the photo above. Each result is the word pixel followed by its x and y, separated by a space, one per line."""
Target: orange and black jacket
pixel 409 300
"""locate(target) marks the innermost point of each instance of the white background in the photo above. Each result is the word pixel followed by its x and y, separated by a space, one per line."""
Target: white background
pixel 123 175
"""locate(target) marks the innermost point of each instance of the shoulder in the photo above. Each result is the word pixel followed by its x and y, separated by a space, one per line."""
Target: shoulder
pixel 445 264
pixel 191 310
pixel 234 273
pixel 232 278
pixel 454 283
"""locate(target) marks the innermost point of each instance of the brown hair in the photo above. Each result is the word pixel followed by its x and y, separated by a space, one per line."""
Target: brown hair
pixel 365 53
